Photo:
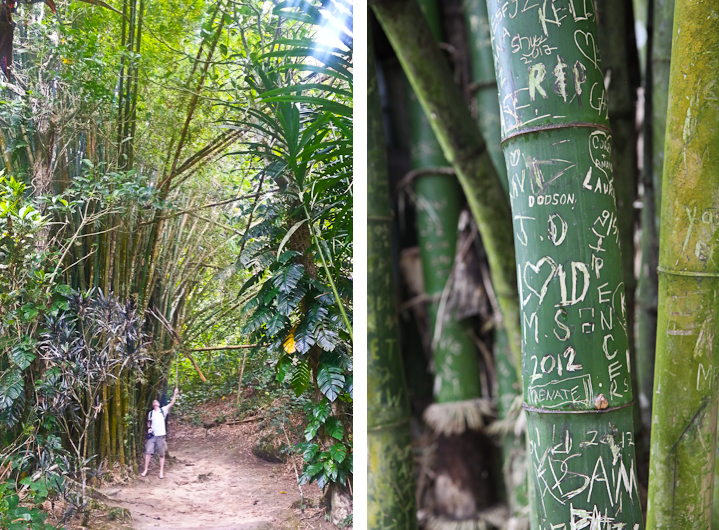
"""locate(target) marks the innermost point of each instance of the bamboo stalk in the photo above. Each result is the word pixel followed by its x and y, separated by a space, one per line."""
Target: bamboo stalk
pixel 462 144
pixel 508 378
pixel 438 204
pixel 390 487
pixel 684 421
pixel 576 363
pixel 106 441
pixel 661 62
pixel 621 62
pixel 239 385
pixel 119 421
pixel 648 280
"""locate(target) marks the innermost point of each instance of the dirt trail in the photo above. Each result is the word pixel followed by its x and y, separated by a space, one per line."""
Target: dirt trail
pixel 215 482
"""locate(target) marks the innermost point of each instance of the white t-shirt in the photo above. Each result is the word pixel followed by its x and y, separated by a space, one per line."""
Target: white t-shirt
pixel 158 421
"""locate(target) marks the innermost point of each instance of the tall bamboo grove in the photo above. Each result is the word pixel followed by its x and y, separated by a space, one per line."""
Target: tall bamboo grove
pixel 390 488
pixel 576 364
pixel 685 382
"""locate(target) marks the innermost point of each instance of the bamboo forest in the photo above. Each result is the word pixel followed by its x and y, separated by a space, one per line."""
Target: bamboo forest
pixel 543 201
pixel 176 251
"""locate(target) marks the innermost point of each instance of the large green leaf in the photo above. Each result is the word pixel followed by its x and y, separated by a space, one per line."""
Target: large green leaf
pixel 249 283
pixel 261 316
pixel 331 380
pixel 287 277
pixel 326 338
pixel 287 302
pixel 11 390
pixel 276 323
pixel 301 378
pixel 338 452
pixel 334 428
pixel 304 336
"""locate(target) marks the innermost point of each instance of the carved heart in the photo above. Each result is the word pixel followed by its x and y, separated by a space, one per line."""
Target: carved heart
pixel 586 46
pixel 536 268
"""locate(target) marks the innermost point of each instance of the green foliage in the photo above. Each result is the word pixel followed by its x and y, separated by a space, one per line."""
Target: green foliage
pixel 301 246
pixel 328 462
pixel 330 380
pixel 16 517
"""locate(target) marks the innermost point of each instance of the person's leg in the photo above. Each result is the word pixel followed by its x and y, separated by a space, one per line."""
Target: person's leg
pixel 161 450
pixel 149 450
pixel 148 457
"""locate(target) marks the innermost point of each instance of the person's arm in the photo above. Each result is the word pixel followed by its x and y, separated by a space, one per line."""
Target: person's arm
pixel 172 402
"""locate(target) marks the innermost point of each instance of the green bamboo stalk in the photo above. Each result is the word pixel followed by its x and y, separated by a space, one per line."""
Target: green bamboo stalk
pixel 508 378
pixel 620 64
pixel 661 62
pixel 438 201
pixel 106 441
pixel 390 475
pixel 120 92
pixel 514 446
pixel 485 84
pixel 462 144
pixel 685 384
pixel 576 363
pixel 136 84
pixel 119 421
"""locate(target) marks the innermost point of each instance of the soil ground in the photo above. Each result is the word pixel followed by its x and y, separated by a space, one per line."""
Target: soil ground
pixel 212 481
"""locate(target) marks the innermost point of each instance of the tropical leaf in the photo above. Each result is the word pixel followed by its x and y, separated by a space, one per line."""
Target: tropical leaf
pixel 301 378
pixel 287 277
pixel 11 395
pixel 283 367
pixel 334 428
pixel 288 235
pixel 22 355
pixel 315 312
pixel 268 293
pixel 276 323
pixel 326 338
pixel 287 302
pixel 249 283
pixel 260 317
pixel 330 380
pixel 289 344
pixel 338 452
pixel 304 336
pixel 287 255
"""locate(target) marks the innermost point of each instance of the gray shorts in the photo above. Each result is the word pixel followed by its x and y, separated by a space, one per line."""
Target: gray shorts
pixel 156 442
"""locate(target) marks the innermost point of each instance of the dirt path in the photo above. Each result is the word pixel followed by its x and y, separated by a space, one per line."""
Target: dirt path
pixel 215 482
